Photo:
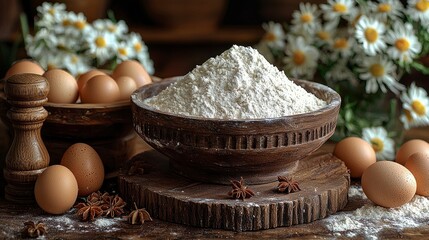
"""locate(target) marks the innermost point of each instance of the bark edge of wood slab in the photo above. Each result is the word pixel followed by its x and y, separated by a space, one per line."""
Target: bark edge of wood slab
pixel 324 182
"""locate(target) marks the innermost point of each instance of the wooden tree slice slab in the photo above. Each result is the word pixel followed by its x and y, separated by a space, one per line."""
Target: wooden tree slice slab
pixel 324 182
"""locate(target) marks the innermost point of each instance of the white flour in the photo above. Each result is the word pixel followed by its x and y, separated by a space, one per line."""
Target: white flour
pixel 370 219
pixel 238 84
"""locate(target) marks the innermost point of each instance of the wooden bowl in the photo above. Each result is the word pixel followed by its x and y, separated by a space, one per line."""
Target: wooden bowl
pixel 216 151
pixel 106 127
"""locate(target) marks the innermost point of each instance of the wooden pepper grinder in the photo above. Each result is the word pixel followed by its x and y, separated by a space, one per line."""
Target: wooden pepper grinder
pixel 27 156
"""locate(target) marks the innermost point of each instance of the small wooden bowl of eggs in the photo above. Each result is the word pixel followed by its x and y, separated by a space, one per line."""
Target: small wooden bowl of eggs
pixel 93 108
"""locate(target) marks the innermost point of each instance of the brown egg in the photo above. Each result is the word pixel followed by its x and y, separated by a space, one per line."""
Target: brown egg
pixel 62 86
pixel 86 76
pixel 410 147
pixel 418 164
pixel 24 66
pixel 134 70
pixel 126 86
pixel 86 165
pixel 56 189
pixel 356 153
pixel 388 184
pixel 100 89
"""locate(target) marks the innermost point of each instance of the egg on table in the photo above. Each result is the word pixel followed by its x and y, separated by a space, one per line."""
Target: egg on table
pixel 388 184
pixel 83 78
pixel 63 87
pixel 24 66
pixel 56 189
pixel 410 147
pixel 100 89
pixel 86 165
pixel 126 86
pixel 356 153
pixel 134 70
pixel 418 164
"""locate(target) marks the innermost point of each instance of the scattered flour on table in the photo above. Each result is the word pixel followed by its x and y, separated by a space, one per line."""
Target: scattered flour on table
pixel 368 220
pixel 356 191
pixel 65 223
pixel 238 84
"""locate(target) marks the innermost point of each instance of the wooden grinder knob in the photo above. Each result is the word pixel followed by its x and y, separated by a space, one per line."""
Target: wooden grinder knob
pixel 27 156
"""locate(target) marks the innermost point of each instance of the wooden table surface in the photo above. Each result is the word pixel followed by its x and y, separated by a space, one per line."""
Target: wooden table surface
pixel 67 226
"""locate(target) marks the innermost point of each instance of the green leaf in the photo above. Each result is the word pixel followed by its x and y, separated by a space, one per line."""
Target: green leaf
pixel 420 67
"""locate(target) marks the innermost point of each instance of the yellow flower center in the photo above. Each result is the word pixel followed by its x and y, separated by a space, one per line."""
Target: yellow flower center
pixel 51 11
pixel 384 7
pixel 269 36
pixel 340 8
pixel 408 115
pixel 371 34
pixel 377 70
pixel 74 59
pixel 100 42
pixel 123 51
pixel 66 22
pixel 298 57
pixel 418 107
pixel 80 25
pixel 137 47
pixel 422 5
pixel 377 144
pixel 306 18
pixel 112 28
pixel 341 43
pixel 323 35
pixel 402 44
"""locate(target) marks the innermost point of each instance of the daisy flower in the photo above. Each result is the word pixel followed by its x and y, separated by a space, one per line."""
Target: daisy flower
pixel 102 45
pixel 124 51
pixel 342 47
pixel 324 34
pixel 50 13
pixel 274 35
pixel 73 25
pixel 118 29
pixel 418 10
pixel 51 60
pixel 386 9
pixel 80 24
pixel 306 19
pixel 76 64
pixel 404 44
pixel 140 51
pixel 379 72
pixel 369 32
pixel 415 103
pixel 336 9
pixel 301 58
pixel 42 41
pixel 380 142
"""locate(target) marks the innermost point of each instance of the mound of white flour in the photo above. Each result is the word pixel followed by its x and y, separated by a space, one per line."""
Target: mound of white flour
pixel 238 84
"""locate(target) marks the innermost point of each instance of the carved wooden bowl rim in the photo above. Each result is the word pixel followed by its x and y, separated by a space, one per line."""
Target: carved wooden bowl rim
pixel 217 150
pixel 328 94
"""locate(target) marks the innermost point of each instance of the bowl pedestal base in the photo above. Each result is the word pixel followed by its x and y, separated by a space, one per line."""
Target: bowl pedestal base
pixel 148 181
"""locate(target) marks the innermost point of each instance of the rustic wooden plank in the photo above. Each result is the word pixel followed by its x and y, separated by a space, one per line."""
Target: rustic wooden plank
pixel 177 199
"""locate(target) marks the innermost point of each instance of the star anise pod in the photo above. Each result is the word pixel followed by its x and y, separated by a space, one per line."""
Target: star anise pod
pixel 139 216
pixel 96 197
pixel 113 206
pixel 239 190
pixel 34 230
pixel 287 185
pixel 88 211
